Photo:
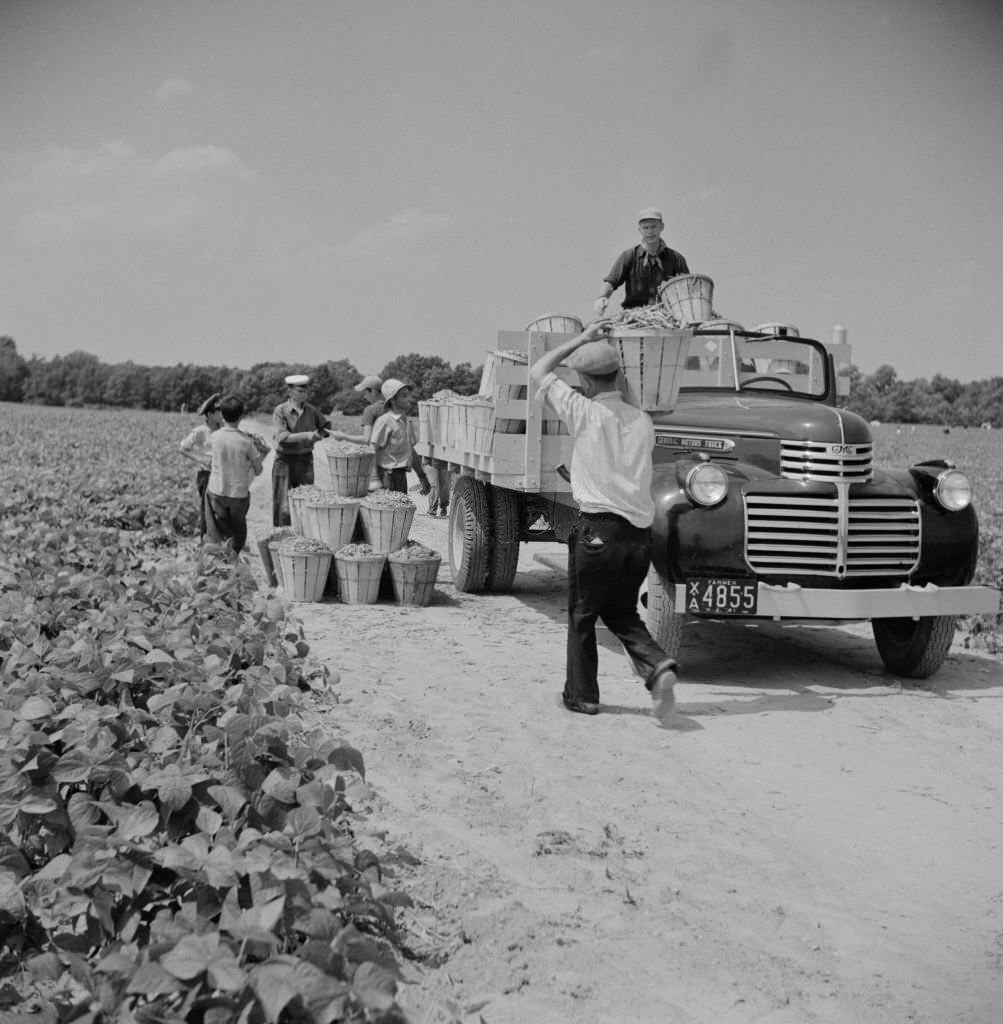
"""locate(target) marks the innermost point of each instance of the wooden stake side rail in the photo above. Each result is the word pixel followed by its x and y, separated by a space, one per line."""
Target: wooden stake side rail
pixel 509 438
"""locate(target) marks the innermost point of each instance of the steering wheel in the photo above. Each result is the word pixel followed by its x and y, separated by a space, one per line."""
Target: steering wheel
pixel 775 380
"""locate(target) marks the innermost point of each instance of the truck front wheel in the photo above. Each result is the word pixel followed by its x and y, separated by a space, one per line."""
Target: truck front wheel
pixel 664 625
pixel 914 648
pixel 469 534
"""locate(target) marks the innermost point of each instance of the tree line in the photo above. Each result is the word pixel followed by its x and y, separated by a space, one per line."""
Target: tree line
pixel 81 379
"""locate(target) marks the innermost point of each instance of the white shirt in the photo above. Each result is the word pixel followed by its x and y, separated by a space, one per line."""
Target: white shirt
pixel 393 438
pixel 197 445
pixel 235 463
pixel 611 458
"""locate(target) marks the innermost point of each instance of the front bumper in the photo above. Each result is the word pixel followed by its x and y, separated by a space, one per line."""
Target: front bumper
pixel 906 601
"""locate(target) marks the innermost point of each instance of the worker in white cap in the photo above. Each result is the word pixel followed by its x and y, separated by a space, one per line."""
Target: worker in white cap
pixel 370 387
pixel 609 547
pixel 642 268
pixel 297 427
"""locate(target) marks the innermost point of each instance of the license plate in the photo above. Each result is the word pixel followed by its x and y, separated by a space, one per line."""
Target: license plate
pixel 714 596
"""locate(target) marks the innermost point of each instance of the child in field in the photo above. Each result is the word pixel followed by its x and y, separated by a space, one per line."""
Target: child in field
pixel 236 461
pixel 197 447
pixel 393 437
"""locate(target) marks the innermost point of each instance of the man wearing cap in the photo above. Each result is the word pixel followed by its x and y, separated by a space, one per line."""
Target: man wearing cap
pixel 394 436
pixel 609 547
pixel 297 427
pixel 197 446
pixel 644 267
pixel 370 387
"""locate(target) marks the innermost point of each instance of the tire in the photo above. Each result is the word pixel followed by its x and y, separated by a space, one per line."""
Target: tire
pixel 914 648
pixel 469 534
pixel 506 523
pixel 664 625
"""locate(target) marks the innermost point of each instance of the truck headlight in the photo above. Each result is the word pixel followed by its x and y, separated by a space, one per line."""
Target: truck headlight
pixel 706 484
pixel 953 490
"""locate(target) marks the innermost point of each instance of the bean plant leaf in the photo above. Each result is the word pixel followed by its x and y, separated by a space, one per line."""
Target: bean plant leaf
pixel 226 974
pixel 74 766
pixel 230 799
pixel 275 985
pixel 190 957
pixel 281 785
pixel 153 979
pixel 347 758
pixel 133 821
pixel 36 707
pixel 374 985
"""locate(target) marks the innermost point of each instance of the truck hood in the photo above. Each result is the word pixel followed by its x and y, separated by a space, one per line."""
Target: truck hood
pixel 747 415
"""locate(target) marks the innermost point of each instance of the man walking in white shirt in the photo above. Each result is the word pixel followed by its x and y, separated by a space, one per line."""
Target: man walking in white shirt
pixel 609 548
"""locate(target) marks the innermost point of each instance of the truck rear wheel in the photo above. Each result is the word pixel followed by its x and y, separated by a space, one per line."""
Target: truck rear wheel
pixel 914 648
pixel 469 534
pixel 506 521
pixel 664 625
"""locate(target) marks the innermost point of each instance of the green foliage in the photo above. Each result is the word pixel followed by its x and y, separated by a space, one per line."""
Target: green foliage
pixel 883 397
pixel 175 840
pixel 82 380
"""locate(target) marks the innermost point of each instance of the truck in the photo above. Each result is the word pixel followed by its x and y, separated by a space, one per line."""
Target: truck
pixel 769 503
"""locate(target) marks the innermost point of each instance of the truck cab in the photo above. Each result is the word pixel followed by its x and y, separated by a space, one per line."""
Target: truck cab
pixel 769 505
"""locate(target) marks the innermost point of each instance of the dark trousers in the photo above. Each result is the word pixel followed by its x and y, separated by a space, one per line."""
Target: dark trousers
pixel 201 483
pixel 394 479
pixel 226 519
pixel 607 563
pixel 288 471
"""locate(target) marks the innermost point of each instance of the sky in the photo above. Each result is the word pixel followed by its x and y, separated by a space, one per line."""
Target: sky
pixel 228 182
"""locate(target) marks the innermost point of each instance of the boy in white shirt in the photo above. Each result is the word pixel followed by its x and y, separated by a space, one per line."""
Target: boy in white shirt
pixel 393 437
pixel 236 461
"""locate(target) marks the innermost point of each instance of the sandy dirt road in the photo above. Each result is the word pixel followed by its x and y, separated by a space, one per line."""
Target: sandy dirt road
pixel 808 841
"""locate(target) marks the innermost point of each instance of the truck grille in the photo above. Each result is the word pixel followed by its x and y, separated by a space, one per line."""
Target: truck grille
pixel 838 536
pixel 812 460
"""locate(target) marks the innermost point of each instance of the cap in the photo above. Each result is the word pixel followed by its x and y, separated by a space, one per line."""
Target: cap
pixel 391 387
pixel 649 213
pixel 594 357
pixel 211 404
pixel 372 382
pixel 297 380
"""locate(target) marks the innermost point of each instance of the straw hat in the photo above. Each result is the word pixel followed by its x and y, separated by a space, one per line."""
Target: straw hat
pixel 211 404
pixel 391 387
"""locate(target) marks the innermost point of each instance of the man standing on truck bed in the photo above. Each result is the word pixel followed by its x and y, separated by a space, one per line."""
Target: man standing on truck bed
pixel 609 547
pixel 643 268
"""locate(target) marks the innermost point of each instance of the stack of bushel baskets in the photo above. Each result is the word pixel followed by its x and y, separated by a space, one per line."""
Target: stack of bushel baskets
pixel 386 518
pixel 345 539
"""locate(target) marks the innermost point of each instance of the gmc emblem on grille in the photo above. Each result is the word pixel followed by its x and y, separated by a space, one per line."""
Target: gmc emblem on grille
pixel 842 449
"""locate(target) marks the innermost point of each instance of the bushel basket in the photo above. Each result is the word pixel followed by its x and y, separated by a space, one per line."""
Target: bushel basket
pixel 414 579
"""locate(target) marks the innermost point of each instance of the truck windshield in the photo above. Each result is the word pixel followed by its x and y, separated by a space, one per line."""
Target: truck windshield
pixel 719 357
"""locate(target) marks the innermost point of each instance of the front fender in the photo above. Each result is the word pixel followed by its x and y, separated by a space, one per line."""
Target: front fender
pixel 711 538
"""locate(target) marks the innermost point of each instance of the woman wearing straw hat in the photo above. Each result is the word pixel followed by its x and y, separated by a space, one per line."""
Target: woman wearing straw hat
pixel 609 547
pixel 297 427
pixel 644 267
